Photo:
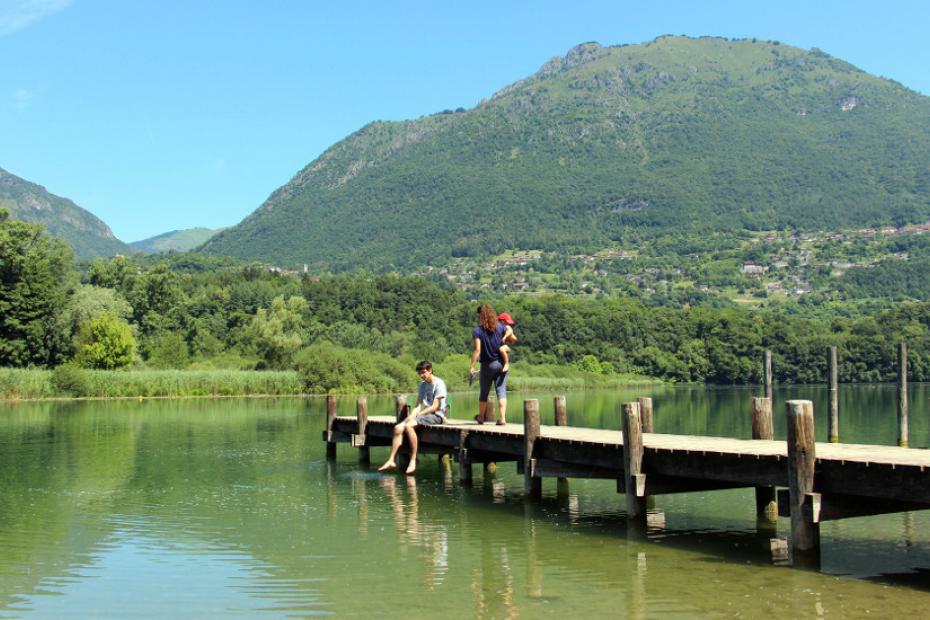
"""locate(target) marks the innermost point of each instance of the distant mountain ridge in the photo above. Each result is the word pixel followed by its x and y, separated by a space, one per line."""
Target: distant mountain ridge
pixel 606 146
pixel 175 240
pixel 85 232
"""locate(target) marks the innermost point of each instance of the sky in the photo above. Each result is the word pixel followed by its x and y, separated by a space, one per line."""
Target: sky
pixel 171 114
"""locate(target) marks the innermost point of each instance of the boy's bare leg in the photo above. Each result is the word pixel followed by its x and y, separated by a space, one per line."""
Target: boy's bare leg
pixel 395 446
pixel 414 444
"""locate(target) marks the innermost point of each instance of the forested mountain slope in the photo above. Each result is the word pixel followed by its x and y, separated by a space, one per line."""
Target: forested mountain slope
pixel 608 146
pixel 84 231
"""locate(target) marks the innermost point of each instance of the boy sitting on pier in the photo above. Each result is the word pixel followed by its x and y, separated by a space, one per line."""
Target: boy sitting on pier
pixel 432 408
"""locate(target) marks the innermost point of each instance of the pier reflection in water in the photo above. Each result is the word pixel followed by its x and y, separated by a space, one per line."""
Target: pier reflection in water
pixel 229 508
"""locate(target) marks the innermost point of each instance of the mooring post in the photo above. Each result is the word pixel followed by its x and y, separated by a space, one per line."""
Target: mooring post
pixel 645 413
pixel 805 532
pixel 769 376
pixel 330 419
pixel 361 412
pixel 633 479
pixel 561 419
pixel 833 427
pixel 902 394
pixel 531 484
pixel 763 428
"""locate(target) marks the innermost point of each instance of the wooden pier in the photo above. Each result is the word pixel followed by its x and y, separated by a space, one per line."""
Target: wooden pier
pixel 819 481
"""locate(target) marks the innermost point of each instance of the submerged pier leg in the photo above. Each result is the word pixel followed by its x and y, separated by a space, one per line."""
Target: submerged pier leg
pixel 633 478
pixel 762 428
pixel 532 485
pixel 361 412
pixel 805 533
pixel 902 394
pixel 401 409
pixel 465 470
pixel 645 418
pixel 330 419
pixel 561 419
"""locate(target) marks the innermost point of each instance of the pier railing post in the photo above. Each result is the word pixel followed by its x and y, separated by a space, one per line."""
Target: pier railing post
pixel 763 428
pixel 561 419
pixel 531 484
pixel 330 419
pixel 645 413
pixel 902 394
pixel 401 409
pixel 833 426
pixel 769 376
pixel 361 412
pixel 633 480
pixel 805 532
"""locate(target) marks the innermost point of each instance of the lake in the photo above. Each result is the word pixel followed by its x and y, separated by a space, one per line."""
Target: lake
pixel 228 508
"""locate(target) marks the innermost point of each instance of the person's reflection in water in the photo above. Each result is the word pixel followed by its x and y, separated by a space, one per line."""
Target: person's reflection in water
pixel 492 583
pixel 432 537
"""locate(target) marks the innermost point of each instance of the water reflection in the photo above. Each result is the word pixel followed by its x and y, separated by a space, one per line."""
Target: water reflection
pixel 232 508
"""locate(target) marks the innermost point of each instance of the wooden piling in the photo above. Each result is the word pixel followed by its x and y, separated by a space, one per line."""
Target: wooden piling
pixel 531 484
pixel 561 419
pixel 633 479
pixel 401 409
pixel 769 376
pixel 645 413
pixel 833 424
pixel 361 412
pixel 465 469
pixel 330 418
pixel 902 394
pixel 805 532
pixel 763 428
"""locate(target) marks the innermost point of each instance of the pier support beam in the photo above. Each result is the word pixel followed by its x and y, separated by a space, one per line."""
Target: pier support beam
pixel 465 470
pixel 532 485
pixel 634 482
pixel 763 428
pixel 401 409
pixel 361 412
pixel 330 418
pixel 805 532
pixel 833 425
pixel 561 419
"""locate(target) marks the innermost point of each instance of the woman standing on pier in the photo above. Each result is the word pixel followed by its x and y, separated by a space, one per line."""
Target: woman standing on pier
pixel 487 338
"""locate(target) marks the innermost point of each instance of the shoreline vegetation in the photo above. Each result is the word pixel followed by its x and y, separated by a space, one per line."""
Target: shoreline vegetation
pixel 70 382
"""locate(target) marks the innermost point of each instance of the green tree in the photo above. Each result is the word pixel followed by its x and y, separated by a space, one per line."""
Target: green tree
pixel 105 342
pixel 277 332
pixel 36 271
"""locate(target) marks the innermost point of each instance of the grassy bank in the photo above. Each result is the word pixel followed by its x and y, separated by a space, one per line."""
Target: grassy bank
pixel 19 383
pixel 71 382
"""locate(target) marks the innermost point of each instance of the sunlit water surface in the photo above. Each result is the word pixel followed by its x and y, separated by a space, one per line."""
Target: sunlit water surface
pixel 228 508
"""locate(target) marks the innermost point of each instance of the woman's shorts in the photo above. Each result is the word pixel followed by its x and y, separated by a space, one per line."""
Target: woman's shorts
pixel 491 374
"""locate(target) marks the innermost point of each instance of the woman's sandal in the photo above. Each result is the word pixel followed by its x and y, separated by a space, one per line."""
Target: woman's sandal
pixel 479 419
pixel 501 423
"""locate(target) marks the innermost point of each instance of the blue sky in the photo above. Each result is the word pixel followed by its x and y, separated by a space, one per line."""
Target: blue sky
pixel 164 115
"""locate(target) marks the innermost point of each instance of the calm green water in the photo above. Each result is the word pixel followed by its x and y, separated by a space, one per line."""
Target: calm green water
pixel 228 508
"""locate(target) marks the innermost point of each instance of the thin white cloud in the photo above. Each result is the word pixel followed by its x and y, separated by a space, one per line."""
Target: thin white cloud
pixel 18 14
pixel 21 98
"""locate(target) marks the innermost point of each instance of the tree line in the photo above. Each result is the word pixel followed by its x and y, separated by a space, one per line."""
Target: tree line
pixel 190 310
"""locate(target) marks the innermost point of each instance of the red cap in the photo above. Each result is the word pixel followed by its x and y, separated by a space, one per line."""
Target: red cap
pixel 506 318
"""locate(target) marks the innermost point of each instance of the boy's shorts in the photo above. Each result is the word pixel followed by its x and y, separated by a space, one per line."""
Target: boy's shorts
pixel 430 419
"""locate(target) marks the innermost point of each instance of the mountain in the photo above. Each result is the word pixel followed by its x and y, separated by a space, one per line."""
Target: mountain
pixel 84 231
pixel 611 146
pixel 176 240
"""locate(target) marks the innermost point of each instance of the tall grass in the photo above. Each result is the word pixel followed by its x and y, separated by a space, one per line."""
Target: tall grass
pixel 69 381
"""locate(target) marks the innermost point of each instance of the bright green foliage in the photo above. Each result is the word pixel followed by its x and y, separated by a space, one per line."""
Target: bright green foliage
pixel 277 332
pixel 36 272
pixel 105 342
pixel 327 368
pixel 169 350
pixel 611 146
pixel 88 302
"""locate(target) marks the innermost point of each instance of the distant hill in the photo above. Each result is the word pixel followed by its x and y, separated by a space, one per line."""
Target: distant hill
pixel 84 231
pixel 176 240
pixel 610 145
